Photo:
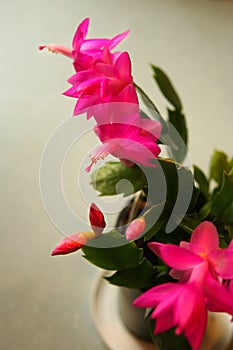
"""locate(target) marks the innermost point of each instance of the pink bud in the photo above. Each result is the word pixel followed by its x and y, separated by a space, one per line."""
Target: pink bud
pixel 72 243
pixel 135 229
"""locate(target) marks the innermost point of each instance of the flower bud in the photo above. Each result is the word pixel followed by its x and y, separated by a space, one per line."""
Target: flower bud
pixel 96 218
pixel 135 229
pixel 72 243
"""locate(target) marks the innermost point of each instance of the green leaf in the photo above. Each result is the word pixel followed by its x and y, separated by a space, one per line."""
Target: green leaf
pixel 149 104
pixel 205 210
pixel 177 119
pixel 166 87
pixel 218 165
pixel 230 231
pixel 154 220
pixel 202 181
pixel 188 224
pixel 115 178
pixel 224 198
pixel 172 186
pixel 178 135
pixel 231 164
pixel 138 277
pixel 194 200
pixel 146 99
pixel 169 340
pixel 170 170
pixel 111 251
pixel 227 217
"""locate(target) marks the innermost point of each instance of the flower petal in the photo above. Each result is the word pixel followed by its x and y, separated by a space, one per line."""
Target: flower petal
pixel 174 256
pixel 219 298
pixel 205 238
pixel 222 261
pixel 123 66
pixel 117 39
pixel 80 34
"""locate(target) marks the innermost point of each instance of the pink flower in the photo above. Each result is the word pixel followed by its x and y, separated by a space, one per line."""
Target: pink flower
pixel 135 229
pixel 84 51
pixel 201 266
pixel 101 75
pixel 134 142
pixel 177 305
pixel 78 240
pixel 106 81
pixel 202 253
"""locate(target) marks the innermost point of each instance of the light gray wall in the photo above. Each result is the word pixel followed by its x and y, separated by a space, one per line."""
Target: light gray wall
pixel 45 301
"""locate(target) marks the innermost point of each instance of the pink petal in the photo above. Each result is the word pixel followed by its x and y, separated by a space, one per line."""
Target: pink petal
pixel 128 94
pixel 123 66
pixel 165 321
pixel 219 298
pixel 80 33
pixel 87 87
pixel 192 315
pixel 134 151
pixel 175 256
pixel 83 105
pixel 92 45
pixel 222 261
pixel 107 56
pixel 81 61
pixel 151 127
pixel 82 76
pixel 153 296
pixel 72 92
pixel 104 92
pixel 205 238
pixel 106 69
pixel 231 245
pixel 117 39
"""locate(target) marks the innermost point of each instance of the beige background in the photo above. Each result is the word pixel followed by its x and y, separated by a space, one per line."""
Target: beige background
pixel 44 301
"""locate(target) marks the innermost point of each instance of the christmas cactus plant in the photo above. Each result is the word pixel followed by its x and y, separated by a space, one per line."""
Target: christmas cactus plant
pixel 174 239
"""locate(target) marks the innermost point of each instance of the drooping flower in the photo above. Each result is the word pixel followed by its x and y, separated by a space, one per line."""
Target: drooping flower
pixel 135 229
pixel 79 239
pixel 201 267
pixel 177 305
pixel 134 141
pixel 101 75
pixel 202 250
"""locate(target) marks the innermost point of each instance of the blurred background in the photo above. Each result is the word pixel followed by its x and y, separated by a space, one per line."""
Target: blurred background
pixel 45 301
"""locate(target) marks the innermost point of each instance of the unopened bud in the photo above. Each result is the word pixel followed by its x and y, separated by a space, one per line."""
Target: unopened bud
pixel 96 218
pixel 135 229
pixel 73 243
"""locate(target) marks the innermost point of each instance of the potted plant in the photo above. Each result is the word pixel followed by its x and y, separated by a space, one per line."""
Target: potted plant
pixel 173 241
